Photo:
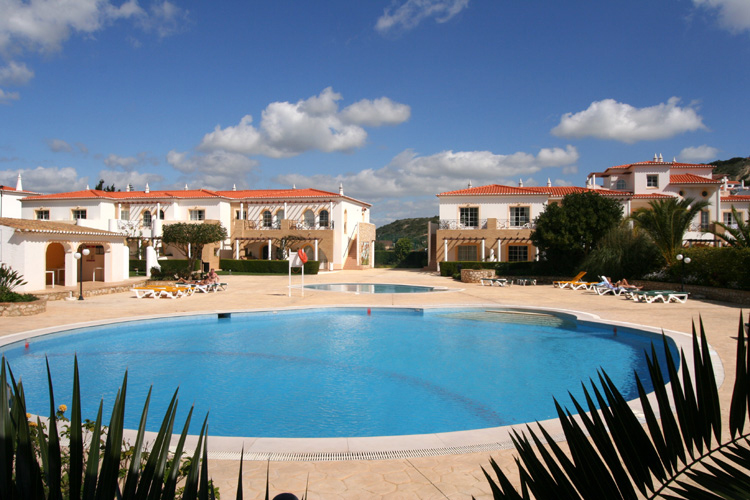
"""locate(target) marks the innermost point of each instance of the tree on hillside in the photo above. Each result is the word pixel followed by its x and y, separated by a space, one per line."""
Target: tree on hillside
pixel 402 249
pixel 191 238
pixel 666 222
pixel 739 231
pixel 567 232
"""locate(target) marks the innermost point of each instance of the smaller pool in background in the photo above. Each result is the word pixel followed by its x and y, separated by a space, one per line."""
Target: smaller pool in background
pixel 374 288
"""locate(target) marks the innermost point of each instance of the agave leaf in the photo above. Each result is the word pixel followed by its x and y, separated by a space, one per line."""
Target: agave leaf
pixel 110 470
pixel 191 482
pixel 160 446
pixel 710 403
pixel 171 483
pixel 134 471
pixel 6 435
pixel 75 474
pixel 741 392
pixel 92 462
pixel 28 475
pixel 51 456
pixel 239 476
pixel 205 487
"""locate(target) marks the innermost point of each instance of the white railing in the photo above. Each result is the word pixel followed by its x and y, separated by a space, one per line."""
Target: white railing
pixel 463 224
pixel 514 224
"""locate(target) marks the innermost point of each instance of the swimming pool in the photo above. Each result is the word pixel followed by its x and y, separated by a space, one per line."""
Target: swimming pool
pixel 373 288
pixel 336 372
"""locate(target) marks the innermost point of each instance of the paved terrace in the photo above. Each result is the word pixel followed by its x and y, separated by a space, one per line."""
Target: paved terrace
pixel 455 476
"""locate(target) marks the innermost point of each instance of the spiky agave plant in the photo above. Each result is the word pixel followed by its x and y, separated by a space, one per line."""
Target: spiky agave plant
pixel 678 455
pixel 31 463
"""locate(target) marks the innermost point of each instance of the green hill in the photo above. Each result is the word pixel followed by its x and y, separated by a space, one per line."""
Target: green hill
pixel 736 168
pixel 414 229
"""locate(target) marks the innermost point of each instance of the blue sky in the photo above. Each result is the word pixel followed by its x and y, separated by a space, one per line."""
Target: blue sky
pixel 396 100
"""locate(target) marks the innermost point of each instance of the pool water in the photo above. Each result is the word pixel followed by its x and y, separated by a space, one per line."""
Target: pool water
pixel 335 372
pixel 373 288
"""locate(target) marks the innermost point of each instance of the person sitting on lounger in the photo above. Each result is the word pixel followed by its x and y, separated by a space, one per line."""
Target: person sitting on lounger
pixel 212 277
pixel 623 283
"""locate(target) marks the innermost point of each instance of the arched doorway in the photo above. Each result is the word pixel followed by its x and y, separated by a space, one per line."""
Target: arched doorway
pixel 55 264
pixel 92 264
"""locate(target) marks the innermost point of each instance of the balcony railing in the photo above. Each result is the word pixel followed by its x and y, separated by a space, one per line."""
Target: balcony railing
pixel 259 224
pixel 304 225
pixel 514 224
pixel 701 228
pixel 462 224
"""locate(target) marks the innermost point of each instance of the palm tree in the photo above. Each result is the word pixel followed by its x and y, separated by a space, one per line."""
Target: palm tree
pixel 667 221
pixel 612 455
pixel 740 231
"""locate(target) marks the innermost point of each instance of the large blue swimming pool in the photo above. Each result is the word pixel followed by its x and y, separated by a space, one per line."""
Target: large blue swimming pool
pixel 335 372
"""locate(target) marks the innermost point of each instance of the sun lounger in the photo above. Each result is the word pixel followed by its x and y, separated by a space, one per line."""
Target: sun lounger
pixel 660 295
pixel 566 283
pixel 494 281
pixel 608 290
pixel 525 281
pixel 157 292
pixel 143 291
pixel 586 285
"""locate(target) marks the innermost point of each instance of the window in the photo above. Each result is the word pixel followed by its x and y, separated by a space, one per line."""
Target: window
pixel 620 185
pixel 729 219
pixel 309 216
pixel 267 218
pixel 280 215
pixel 161 214
pixel 125 214
pixel 324 218
pixel 79 214
pixel 518 253
pixel 237 215
pixel 467 252
pixel 519 216
pixel 197 215
pixel 705 221
pixel 469 217
pixel 652 181
pixel 147 218
pixel 42 215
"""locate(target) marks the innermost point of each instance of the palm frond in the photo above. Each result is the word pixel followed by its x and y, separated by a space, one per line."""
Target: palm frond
pixel 678 454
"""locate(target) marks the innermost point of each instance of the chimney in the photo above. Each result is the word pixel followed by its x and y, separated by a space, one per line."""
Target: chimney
pixel 656 158
pixel 469 186
pixel 660 158
pixel 186 188
pixel 341 189
pixel 147 189
pixel 19 184
pixel 234 187
pixel 549 182
pixel 294 186
pixel 520 183
pixel 127 188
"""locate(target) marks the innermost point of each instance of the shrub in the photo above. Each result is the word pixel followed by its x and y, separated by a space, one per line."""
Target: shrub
pixel 8 296
pixel 725 267
pixel 264 266
pixel 10 279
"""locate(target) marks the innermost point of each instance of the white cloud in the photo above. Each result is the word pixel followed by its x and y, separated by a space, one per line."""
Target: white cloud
pixel 734 15
pixel 45 179
pixel 15 74
pixel 288 129
pixel 609 119
pixel 216 163
pixel 409 14
pixel 6 97
pixel 124 162
pixel 698 154
pixel 122 179
pixel 411 175
pixel 59 146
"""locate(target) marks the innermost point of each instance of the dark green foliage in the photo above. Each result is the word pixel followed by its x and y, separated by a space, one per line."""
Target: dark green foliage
pixel 8 296
pixel 413 229
pixel 416 259
pixel 101 187
pixel 264 266
pixel 666 222
pixel 565 233
pixel 679 454
pixel 10 279
pixel 402 248
pixel 191 238
pixel 527 268
pixel 724 267
pixel 740 233
pixel 34 465
pixel 623 253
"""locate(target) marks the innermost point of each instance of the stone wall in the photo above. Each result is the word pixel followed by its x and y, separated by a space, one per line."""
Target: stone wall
pixel 476 275
pixel 23 308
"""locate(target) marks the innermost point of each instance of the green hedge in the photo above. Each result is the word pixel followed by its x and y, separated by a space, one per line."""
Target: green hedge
pixel 387 258
pixel 264 266
pixel 725 267
pixel 167 266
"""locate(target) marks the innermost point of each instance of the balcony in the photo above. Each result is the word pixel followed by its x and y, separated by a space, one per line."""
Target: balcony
pixel 515 224
pixel 305 226
pixel 463 224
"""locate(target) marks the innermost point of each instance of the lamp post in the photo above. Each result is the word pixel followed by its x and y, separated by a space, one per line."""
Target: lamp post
pixel 684 260
pixel 79 257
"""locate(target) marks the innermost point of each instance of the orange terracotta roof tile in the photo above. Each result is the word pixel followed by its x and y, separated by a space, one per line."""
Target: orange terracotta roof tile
pixel 736 197
pixel 556 191
pixel 43 226
pixel 690 179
